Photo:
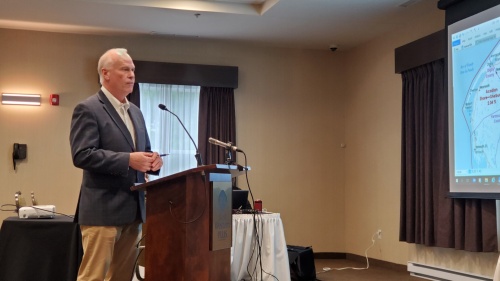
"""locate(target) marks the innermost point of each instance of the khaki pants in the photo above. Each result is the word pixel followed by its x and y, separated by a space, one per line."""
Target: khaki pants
pixel 109 252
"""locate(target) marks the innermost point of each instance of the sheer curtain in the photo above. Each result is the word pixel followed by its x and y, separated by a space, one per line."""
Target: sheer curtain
pixel 165 131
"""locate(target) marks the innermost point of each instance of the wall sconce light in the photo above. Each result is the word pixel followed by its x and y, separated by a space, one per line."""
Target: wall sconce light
pixel 21 99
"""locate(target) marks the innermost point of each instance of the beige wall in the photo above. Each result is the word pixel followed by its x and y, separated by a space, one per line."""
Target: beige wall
pixel 294 110
pixel 373 137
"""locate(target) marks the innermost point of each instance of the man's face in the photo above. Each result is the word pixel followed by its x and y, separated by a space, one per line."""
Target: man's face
pixel 120 77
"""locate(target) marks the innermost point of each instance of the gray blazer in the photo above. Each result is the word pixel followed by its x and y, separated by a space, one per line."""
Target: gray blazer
pixel 100 145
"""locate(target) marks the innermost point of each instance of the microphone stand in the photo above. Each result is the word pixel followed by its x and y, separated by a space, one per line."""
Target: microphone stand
pixel 197 155
pixel 229 156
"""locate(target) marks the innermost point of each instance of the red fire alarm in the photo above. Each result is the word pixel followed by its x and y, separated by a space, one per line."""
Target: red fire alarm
pixel 54 99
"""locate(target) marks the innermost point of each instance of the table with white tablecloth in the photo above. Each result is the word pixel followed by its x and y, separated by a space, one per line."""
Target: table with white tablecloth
pixel 245 264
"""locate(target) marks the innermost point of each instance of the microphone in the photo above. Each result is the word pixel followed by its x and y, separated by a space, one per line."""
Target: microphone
pixel 223 144
pixel 164 107
pixel 197 155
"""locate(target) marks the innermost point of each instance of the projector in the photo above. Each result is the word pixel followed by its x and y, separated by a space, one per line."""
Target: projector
pixel 37 212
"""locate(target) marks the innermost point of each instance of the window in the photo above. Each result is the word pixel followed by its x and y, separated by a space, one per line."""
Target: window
pixel 165 132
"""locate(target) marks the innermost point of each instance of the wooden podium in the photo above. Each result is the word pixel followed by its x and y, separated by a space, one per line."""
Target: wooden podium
pixel 189 225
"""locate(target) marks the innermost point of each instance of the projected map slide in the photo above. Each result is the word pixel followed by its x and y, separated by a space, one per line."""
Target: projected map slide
pixel 476 86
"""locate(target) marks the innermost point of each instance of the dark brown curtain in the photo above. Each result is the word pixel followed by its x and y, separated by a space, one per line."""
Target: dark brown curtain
pixel 217 120
pixel 135 96
pixel 428 216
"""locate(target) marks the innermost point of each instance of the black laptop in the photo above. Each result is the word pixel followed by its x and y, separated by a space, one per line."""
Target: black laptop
pixel 240 199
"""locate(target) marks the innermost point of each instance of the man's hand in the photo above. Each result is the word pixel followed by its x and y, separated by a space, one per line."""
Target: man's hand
pixel 157 162
pixel 145 161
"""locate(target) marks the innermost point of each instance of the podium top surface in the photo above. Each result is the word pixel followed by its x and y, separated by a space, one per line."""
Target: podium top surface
pixel 234 170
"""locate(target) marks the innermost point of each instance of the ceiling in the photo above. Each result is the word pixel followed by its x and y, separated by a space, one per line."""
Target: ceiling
pixel 305 24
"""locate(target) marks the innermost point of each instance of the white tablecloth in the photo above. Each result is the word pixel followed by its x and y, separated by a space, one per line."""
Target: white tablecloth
pixel 274 255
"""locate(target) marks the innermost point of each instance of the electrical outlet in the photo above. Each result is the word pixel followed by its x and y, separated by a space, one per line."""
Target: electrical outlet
pixel 379 234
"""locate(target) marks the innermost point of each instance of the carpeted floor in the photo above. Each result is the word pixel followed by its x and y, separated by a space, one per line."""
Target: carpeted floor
pixel 373 273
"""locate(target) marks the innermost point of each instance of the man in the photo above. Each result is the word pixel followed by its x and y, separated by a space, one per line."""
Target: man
pixel 109 141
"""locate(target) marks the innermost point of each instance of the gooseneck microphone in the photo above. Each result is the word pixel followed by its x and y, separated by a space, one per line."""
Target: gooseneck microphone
pixel 197 155
pixel 223 144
